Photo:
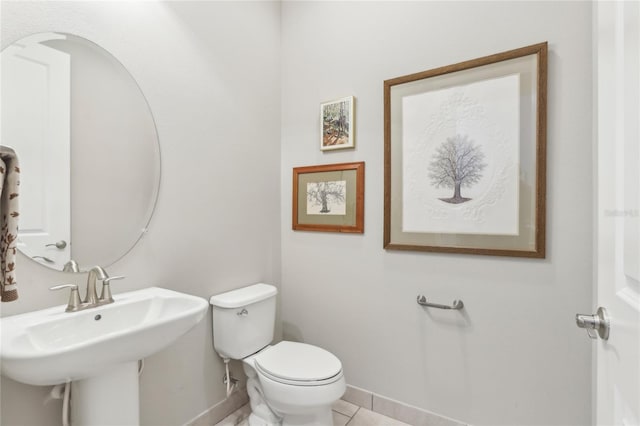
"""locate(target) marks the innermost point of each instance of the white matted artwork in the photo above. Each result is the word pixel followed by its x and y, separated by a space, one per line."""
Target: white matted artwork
pixel 461 158
pixel 327 198
pixel 465 156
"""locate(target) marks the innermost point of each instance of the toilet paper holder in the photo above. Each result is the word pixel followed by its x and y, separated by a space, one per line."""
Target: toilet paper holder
pixel 457 304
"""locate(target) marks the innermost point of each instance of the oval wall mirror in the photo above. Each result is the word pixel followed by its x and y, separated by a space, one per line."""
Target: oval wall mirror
pixel 87 146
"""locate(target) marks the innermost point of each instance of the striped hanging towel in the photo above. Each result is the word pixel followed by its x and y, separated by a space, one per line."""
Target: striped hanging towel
pixel 9 182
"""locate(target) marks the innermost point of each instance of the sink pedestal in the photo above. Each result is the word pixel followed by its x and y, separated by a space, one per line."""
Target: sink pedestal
pixel 110 398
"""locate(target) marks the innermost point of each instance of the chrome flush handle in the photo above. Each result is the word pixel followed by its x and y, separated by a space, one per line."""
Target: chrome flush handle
pixel 242 313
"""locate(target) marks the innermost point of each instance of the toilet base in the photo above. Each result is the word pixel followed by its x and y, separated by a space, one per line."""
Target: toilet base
pixel 261 414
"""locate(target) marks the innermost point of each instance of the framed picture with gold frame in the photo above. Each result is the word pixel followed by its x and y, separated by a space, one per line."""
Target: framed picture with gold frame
pixel 465 156
pixel 329 198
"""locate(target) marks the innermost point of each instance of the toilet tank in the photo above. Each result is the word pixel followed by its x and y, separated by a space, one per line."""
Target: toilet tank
pixel 243 320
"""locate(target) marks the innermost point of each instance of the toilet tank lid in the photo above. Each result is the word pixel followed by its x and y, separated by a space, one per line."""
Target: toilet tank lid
pixel 243 296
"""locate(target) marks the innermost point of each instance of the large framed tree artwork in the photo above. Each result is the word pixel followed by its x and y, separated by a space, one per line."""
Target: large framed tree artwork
pixel 465 156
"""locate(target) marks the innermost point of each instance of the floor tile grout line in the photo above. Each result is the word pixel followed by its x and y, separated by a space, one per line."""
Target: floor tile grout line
pixel 354 414
pixel 346 412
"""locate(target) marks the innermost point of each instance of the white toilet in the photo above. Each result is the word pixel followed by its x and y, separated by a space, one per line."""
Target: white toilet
pixel 288 383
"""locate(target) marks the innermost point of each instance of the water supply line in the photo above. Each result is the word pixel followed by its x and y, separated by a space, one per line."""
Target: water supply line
pixel 65 404
pixel 229 380
pixel 61 391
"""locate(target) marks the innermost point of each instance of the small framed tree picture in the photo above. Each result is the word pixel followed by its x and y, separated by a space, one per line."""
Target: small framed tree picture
pixel 465 156
pixel 329 198
pixel 337 124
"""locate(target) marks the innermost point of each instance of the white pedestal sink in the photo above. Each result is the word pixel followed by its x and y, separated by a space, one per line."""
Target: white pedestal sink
pixel 97 349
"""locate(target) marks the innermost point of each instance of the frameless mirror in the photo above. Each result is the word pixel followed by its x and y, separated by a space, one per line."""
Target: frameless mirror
pixel 88 150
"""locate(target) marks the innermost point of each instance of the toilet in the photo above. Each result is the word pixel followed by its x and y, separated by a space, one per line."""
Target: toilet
pixel 289 383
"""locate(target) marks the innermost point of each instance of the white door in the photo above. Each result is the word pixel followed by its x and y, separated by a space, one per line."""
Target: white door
pixel 618 211
pixel 36 123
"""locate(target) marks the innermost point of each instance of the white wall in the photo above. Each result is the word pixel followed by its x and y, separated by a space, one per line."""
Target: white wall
pixel 514 355
pixel 210 72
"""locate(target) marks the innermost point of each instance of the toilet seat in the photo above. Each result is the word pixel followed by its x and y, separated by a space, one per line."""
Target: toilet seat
pixel 298 364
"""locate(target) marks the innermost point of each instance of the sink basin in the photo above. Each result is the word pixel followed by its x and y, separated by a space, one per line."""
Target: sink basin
pixel 51 346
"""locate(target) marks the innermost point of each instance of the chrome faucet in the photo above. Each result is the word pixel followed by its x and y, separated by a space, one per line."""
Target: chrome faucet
pixel 71 266
pixel 96 272
pixel 91 299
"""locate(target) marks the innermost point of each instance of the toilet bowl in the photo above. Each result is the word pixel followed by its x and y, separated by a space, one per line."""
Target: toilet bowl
pixel 289 383
pixel 299 382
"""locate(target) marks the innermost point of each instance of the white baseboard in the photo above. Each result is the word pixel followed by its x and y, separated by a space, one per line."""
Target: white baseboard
pixel 395 409
pixel 360 397
pixel 222 409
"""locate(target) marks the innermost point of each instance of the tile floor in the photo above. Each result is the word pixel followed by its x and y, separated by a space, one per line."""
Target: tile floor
pixel 344 414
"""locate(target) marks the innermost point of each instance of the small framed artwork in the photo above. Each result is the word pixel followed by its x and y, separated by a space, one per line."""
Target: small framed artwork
pixel 337 124
pixel 465 156
pixel 329 198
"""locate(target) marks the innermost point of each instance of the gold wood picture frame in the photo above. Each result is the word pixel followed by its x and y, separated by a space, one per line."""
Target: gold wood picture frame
pixel 465 156
pixel 329 198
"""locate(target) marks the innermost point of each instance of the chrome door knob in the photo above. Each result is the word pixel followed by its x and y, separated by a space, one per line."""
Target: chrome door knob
pixel 59 245
pixel 596 325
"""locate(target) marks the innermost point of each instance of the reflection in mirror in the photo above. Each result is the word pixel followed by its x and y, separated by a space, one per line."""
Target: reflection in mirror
pixel 88 150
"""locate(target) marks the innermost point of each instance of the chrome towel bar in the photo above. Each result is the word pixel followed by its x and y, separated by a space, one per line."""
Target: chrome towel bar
pixel 457 304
